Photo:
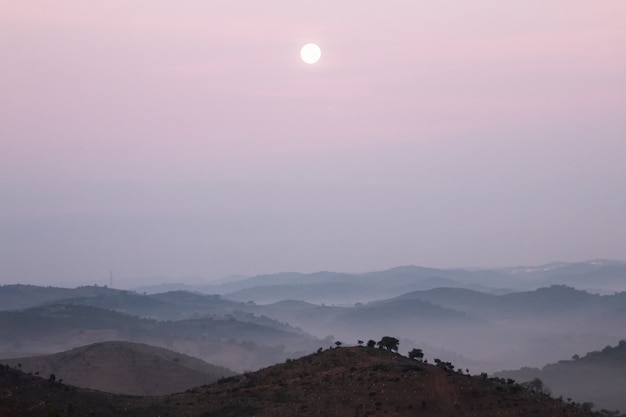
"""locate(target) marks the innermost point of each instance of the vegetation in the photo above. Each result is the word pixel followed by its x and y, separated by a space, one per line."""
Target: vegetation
pixel 388 343
pixel 416 354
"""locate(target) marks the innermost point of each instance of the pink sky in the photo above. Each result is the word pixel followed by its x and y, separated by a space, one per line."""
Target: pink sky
pixel 443 122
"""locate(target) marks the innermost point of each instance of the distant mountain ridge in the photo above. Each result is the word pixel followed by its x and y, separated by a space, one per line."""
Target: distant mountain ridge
pixel 563 318
pixel 600 275
pixel 556 299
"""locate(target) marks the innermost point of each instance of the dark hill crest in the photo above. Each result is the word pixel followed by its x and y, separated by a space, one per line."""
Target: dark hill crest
pixel 365 381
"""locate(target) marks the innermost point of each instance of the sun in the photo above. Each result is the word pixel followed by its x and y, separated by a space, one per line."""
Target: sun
pixel 310 53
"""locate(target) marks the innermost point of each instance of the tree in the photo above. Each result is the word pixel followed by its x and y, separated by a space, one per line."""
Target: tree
pixel 587 406
pixel 360 342
pixel 536 385
pixel 338 343
pixel 388 343
pixel 416 354
pixel 371 343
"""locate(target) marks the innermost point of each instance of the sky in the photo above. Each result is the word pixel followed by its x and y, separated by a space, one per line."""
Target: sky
pixel 187 141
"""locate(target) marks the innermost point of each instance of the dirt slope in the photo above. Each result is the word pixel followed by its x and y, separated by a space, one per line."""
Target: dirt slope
pixel 365 382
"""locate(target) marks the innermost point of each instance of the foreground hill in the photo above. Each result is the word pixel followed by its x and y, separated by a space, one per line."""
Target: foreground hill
pixel 23 395
pixel 124 368
pixel 599 377
pixel 368 382
pixel 335 383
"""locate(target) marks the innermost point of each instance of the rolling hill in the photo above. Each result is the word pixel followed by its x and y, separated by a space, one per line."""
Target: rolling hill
pixel 489 331
pixel 602 276
pixel 599 377
pixel 545 302
pixel 24 395
pixel 172 305
pixel 123 368
pixel 229 342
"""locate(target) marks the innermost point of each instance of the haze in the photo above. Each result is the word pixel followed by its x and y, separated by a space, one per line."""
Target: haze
pixel 188 141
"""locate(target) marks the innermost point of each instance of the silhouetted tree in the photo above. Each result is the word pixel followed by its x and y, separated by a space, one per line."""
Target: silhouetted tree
pixel 587 406
pixel 371 343
pixel 389 343
pixel 338 343
pixel 416 354
pixel 360 342
pixel 444 365
pixel 536 385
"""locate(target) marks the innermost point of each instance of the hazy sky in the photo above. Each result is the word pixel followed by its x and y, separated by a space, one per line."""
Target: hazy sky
pixel 187 139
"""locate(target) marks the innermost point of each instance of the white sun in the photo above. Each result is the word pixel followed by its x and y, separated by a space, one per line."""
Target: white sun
pixel 310 53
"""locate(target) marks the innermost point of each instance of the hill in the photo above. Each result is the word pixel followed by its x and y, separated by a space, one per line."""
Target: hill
pixel 599 377
pixel 335 383
pixel 489 331
pixel 494 332
pixel 124 368
pixel 229 342
pixel 23 395
pixel 598 275
pixel 172 305
pixel 17 297
pixel 603 276
pixel 553 301
pixel 342 288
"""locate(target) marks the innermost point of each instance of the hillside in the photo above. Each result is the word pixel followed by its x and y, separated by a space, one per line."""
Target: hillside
pixel 599 377
pixel 173 305
pixel 369 382
pixel 489 332
pixel 597 275
pixel 342 288
pixel 229 342
pixel 545 302
pixel 124 368
pixel 335 383
pixel 16 297
pixel 601 276
pixel 23 395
